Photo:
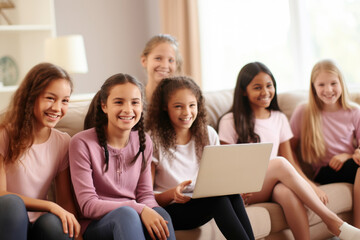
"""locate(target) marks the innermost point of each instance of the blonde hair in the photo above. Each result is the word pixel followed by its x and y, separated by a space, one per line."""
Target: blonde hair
pixel 164 38
pixel 313 147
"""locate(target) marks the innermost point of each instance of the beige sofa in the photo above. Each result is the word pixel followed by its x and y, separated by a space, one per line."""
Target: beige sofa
pixel 267 219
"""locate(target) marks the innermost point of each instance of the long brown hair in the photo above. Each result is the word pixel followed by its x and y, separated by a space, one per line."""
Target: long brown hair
pixel 96 117
pixel 158 121
pixel 244 119
pixel 19 118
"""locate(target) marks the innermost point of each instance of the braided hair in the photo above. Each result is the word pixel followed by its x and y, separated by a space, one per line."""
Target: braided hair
pixel 96 117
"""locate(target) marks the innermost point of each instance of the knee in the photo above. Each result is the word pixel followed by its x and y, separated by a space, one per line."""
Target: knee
pixel 284 195
pixel 127 213
pixel 163 213
pixel 13 209
pixel 282 166
pixel 50 226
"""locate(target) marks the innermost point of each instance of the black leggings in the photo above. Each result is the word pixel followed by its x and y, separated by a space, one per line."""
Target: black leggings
pixel 228 211
pixel 346 174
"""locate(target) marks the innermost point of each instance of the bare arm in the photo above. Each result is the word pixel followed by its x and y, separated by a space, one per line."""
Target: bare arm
pixel 33 204
pixel 173 194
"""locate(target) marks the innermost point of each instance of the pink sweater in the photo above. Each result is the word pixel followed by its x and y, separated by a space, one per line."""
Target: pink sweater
pixel 99 192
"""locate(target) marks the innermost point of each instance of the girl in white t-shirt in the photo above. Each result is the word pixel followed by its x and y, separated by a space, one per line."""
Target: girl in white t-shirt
pixel 256 117
pixel 326 129
pixel 32 155
pixel 177 122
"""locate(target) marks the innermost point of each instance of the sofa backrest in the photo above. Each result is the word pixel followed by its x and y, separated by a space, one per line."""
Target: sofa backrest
pixel 217 103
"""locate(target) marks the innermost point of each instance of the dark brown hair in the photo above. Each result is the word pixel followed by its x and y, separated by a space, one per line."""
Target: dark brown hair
pixel 19 118
pixel 243 115
pixel 95 116
pixel 158 121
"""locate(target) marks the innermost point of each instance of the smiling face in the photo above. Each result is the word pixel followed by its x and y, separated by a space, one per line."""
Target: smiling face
pixel 328 89
pixel 51 105
pixel 160 63
pixel 182 108
pixel 123 107
pixel 260 91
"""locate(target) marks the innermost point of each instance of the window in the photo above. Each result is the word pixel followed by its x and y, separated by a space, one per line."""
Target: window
pixel 289 36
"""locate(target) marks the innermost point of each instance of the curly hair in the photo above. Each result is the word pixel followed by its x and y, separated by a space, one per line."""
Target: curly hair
pixel 19 119
pixel 96 117
pixel 158 121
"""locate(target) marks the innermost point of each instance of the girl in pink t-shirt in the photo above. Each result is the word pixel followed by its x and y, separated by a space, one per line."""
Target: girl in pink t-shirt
pixel 254 117
pixel 32 155
pixel 160 58
pixel 327 130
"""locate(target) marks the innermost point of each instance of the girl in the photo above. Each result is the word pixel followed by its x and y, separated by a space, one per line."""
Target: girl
pixel 32 154
pixel 255 117
pixel 110 168
pixel 161 58
pixel 177 121
pixel 326 128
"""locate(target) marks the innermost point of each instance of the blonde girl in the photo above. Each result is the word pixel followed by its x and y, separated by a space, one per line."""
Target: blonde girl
pixel 255 117
pixel 177 122
pixel 110 167
pixel 327 129
pixel 32 155
pixel 161 58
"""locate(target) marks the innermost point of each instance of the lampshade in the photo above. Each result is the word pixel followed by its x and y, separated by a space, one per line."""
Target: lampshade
pixel 67 52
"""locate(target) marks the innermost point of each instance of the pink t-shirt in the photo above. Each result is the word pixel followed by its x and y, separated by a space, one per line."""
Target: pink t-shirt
pixel 275 129
pixel 39 166
pixel 340 129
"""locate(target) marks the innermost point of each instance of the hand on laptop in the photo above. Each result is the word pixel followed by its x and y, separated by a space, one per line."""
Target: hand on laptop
pixel 179 197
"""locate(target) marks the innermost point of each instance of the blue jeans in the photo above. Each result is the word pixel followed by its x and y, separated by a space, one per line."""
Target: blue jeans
pixel 15 225
pixel 123 223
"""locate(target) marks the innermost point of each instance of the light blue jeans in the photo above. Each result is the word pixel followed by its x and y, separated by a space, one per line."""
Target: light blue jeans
pixel 123 223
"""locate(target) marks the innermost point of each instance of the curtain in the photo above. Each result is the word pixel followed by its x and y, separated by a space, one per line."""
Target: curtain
pixel 180 19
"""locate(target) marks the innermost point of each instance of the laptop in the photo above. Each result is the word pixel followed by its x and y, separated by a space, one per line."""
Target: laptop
pixel 231 169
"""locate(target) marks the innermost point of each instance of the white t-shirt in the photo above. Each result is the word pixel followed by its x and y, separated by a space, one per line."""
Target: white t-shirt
pixel 275 129
pixel 184 166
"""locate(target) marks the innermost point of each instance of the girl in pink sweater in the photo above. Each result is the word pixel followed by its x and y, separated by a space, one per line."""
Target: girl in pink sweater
pixel 110 167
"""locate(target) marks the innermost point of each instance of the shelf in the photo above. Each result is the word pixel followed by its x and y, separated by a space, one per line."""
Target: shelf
pixel 19 28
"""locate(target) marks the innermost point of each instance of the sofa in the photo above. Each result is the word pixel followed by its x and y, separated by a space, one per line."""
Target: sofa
pixel 267 219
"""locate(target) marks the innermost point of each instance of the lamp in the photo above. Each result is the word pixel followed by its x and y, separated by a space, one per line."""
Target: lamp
pixel 68 52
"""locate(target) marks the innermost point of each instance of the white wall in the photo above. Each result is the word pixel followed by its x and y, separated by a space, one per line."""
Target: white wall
pixel 115 32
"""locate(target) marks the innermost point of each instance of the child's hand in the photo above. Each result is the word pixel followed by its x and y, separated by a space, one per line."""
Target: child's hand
pixel 178 196
pixel 70 225
pixel 155 224
pixel 245 197
pixel 356 156
pixel 321 194
pixel 337 161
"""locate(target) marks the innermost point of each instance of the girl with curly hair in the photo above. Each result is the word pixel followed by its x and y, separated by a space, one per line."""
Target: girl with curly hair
pixel 110 167
pixel 176 121
pixel 32 155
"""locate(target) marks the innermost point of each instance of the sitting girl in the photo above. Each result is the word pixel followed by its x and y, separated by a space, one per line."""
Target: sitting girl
pixel 177 122
pixel 32 155
pixel 326 128
pixel 255 117
pixel 110 168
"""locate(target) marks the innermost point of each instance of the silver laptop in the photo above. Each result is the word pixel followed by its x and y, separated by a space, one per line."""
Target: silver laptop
pixel 231 169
